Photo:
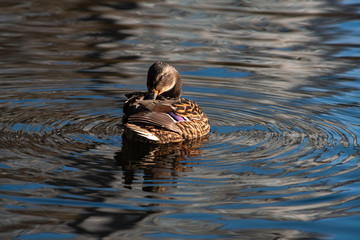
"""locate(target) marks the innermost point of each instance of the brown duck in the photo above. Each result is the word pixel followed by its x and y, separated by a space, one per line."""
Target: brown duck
pixel 160 115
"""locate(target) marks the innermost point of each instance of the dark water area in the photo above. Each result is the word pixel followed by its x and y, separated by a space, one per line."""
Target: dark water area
pixel 279 81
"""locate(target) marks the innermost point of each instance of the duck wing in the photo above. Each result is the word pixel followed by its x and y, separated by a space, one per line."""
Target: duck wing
pixel 159 119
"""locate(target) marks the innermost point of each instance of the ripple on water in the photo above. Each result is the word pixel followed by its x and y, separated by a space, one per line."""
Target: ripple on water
pixel 274 154
pixel 265 158
pixel 281 160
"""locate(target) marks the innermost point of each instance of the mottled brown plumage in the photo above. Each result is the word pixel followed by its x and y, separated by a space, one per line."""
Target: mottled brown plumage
pixel 160 115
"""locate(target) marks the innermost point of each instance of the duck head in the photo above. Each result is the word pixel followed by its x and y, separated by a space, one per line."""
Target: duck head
pixel 163 79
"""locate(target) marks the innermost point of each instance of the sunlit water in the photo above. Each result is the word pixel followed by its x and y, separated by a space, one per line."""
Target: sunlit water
pixel 279 82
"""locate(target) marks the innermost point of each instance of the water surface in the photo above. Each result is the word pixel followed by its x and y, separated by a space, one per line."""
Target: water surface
pixel 279 81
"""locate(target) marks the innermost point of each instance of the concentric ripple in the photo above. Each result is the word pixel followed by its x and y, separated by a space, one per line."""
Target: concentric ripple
pixel 42 127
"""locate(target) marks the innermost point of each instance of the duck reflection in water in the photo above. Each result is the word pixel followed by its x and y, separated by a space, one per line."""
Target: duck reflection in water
pixel 158 164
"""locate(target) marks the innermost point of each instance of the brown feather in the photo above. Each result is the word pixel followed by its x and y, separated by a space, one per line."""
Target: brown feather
pixel 157 105
pixel 162 120
pixel 188 108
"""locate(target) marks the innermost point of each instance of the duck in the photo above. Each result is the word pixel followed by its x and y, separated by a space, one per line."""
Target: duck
pixel 160 115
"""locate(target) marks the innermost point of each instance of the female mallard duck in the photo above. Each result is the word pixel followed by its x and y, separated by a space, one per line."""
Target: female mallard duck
pixel 160 115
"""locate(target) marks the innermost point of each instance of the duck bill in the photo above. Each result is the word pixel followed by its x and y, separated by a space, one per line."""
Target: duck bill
pixel 152 95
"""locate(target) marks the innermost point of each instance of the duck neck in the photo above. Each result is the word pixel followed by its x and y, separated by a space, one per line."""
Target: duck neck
pixel 176 91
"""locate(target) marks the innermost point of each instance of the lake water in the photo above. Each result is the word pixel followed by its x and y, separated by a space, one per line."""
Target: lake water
pixel 279 81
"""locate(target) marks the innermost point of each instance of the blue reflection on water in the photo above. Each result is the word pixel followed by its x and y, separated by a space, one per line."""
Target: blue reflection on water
pixel 23 187
pixel 217 72
pixel 46 235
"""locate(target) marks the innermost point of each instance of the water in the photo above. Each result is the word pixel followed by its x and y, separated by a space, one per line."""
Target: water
pixel 279 81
